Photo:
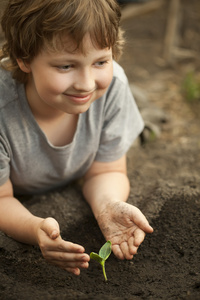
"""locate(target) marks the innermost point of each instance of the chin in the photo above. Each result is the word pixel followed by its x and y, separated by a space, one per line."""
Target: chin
pixel 78 110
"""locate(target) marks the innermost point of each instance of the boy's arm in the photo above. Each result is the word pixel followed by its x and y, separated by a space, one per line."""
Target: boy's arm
pixel 17 222
pixel 104 182
pixel 106 189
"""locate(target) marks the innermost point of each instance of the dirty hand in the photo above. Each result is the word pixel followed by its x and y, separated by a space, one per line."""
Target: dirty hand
pixel 125 226
pixel 56 251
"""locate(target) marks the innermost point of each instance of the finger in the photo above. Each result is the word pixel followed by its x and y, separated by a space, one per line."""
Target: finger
pixel 140 220
pixel 51 227
pixel 139 236
pixel 132 248
pixel 73 265
pixel 125 250
pixel 75 271
pixel 70 247
pixel 59 245
pixel 67 257
pixel 117 252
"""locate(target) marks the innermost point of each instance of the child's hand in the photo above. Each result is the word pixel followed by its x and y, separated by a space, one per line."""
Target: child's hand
pixel 125 226
pixel 56 251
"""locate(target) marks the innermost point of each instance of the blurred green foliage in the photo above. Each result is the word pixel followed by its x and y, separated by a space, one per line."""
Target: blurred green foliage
pixel 191 87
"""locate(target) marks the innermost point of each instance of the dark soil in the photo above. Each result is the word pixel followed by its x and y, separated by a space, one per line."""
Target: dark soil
pixel 165 184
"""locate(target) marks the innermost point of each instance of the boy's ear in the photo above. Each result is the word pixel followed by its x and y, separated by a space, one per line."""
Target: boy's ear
pixel 23 66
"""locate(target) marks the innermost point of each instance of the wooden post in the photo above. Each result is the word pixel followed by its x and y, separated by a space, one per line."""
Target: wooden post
pixel 171 36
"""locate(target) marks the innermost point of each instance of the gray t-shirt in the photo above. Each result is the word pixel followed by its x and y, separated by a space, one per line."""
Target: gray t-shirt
pixel 104 133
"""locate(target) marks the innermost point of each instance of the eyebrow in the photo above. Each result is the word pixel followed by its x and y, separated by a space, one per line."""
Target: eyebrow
pixel 104 57
pixel 72 59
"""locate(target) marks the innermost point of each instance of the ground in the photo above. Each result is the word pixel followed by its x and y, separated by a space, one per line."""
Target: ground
pixel 165 185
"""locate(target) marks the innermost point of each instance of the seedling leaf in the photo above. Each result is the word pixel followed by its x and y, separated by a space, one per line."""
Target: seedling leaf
pixel 96 257
pixel 105 250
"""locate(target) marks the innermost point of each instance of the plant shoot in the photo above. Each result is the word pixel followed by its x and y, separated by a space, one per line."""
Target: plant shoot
pixel 103 255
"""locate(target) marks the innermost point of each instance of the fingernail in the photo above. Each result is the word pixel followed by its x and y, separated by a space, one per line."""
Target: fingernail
pixel 84 257
pixel 77 271
pixel 84 265
pixel 81 250
pixel 54 234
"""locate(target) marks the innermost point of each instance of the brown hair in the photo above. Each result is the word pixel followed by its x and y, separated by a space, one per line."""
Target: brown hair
pixel 30 25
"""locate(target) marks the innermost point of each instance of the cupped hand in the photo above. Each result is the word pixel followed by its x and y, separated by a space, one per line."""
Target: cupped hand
pixel 56 251
pixel 125 226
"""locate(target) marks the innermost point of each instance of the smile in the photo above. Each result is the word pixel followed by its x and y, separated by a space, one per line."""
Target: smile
pixel 79 99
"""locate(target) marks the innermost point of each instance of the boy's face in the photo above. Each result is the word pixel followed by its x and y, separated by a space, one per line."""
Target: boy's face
pixel 68 81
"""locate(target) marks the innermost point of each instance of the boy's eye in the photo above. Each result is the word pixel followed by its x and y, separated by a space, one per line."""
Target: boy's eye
pixel 101 63
pixel 65 68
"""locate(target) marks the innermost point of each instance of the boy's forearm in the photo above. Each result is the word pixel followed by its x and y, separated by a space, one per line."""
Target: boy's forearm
pixel 17 222
pixel 99 190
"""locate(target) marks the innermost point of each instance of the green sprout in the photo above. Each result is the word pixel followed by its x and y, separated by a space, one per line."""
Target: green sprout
pixel 103 255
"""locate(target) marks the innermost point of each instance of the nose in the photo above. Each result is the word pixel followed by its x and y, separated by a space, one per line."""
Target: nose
pixel 85 80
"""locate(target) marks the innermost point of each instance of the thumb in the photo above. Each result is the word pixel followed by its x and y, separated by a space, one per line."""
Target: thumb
pixel 51 227
pixel 140 220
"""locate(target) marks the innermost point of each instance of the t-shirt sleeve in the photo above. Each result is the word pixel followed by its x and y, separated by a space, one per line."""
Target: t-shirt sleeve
pixel 122 122
pixel 4 162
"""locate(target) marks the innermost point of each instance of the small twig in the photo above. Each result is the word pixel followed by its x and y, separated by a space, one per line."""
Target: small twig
pixel 134 10
pixel 184 53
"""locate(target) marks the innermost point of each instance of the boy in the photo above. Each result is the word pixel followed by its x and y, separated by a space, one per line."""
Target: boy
pixel 65 112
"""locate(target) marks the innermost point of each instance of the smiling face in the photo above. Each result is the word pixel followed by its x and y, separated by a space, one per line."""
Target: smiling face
pixel 68 81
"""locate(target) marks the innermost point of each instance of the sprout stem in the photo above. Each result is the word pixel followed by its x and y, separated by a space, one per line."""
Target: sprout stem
pixel 104 272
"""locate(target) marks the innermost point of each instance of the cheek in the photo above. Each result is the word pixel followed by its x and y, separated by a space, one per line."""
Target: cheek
pixel 106 78
pixel 51 85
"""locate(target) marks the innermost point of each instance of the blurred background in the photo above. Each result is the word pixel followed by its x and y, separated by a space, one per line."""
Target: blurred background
pixel 162 61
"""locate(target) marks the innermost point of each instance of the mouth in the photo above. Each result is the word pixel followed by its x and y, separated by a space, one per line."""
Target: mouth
pixel 79 98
